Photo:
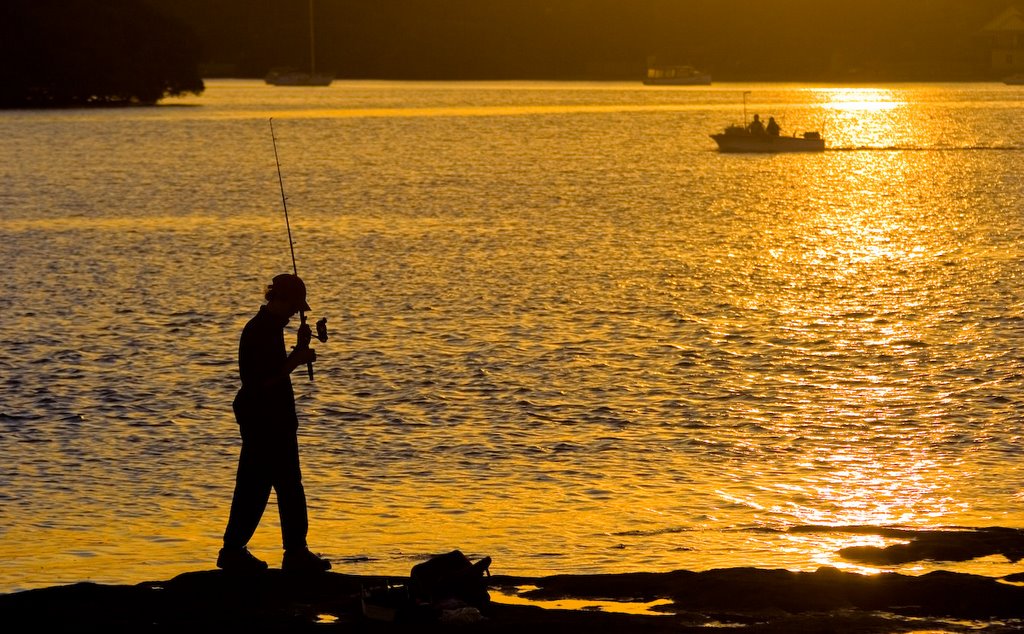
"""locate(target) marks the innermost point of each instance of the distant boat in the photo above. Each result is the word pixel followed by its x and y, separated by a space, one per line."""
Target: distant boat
pixel 1014 80
pixel 288 77
pixel 291 77
pixel 755 138
pixel 737 138
pixel 661 75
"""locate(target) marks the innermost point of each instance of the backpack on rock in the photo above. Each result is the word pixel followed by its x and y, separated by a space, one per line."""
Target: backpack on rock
pixel 450 581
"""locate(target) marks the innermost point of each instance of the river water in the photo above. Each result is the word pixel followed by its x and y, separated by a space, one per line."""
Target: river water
pixel 565 331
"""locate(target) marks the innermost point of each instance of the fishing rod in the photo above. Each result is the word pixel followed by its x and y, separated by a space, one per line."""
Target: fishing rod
pixel 321 325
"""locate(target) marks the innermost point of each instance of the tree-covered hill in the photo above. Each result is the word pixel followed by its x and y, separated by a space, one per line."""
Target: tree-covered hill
pixel 563 39
pixel 61 53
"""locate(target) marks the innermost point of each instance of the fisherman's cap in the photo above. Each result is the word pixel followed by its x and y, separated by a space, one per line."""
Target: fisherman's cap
pixel 291 287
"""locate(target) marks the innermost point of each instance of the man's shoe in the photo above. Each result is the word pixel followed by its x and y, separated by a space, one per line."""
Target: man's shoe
pixel 239 560
pixel 303 561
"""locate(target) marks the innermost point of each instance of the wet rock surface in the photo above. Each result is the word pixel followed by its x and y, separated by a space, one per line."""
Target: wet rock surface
pixel 747 599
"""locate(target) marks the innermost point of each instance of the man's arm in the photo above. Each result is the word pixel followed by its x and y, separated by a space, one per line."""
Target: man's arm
pixel 260 363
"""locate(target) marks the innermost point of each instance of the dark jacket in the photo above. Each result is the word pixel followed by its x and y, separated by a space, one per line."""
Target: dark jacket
pixel 266 399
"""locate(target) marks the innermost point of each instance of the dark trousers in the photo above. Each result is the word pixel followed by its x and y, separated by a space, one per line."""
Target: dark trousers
pixel 269 459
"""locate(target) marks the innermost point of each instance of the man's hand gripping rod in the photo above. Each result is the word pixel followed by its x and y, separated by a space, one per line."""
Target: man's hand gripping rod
pixel 321 325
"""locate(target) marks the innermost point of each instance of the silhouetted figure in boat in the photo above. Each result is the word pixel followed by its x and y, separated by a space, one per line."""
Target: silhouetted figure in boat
pixel 265 411
pixel 773 127
pixel 756 127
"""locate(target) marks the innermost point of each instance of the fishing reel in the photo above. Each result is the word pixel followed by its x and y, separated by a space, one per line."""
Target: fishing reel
pixel 321 330
pixel 304 338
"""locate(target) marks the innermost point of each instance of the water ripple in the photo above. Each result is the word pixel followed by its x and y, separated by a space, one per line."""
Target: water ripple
pixel 552 333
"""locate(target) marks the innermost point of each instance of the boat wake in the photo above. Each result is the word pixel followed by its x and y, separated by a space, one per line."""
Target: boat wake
pixel 921 148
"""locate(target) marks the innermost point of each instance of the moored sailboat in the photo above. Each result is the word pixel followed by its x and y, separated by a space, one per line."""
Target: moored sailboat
pixel 291 77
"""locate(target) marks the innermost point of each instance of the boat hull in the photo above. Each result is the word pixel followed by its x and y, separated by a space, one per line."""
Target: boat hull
pixel 703 80
pixel 299 79
pixel 766 144
pixel 676 76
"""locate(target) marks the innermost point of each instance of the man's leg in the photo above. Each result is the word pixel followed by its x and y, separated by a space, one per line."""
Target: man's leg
pixel 252 491
pixel 291 502
pixel 291 496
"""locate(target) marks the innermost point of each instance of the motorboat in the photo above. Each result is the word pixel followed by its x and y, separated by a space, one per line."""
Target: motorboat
pixel 676 76
pixel 737 138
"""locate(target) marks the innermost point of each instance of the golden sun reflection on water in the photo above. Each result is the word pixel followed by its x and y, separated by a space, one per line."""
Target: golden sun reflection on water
pixel 459 111
pixel 862 117
pixel 867 320
pixel 577 343
pixel 510 596
pixel 860 99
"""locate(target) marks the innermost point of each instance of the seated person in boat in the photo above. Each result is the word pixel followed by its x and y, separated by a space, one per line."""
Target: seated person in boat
pixel 773 127
pixel 756 127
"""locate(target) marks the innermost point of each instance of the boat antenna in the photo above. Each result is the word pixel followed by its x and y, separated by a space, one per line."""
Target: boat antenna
pixel 312 42
pixel 291 245
pixel 745 93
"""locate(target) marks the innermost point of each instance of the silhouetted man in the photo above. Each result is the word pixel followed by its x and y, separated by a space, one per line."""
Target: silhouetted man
pixel 756 127
pixel 265 411
pixel 773 127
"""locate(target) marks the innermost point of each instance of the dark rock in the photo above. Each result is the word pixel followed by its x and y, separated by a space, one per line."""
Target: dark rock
pixel 940 545
pixel 759 601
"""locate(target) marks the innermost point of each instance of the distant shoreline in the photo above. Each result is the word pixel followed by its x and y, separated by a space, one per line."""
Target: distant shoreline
pixel 629 80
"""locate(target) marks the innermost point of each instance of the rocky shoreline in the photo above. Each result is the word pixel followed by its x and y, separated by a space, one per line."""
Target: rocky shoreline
pixel 743 599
